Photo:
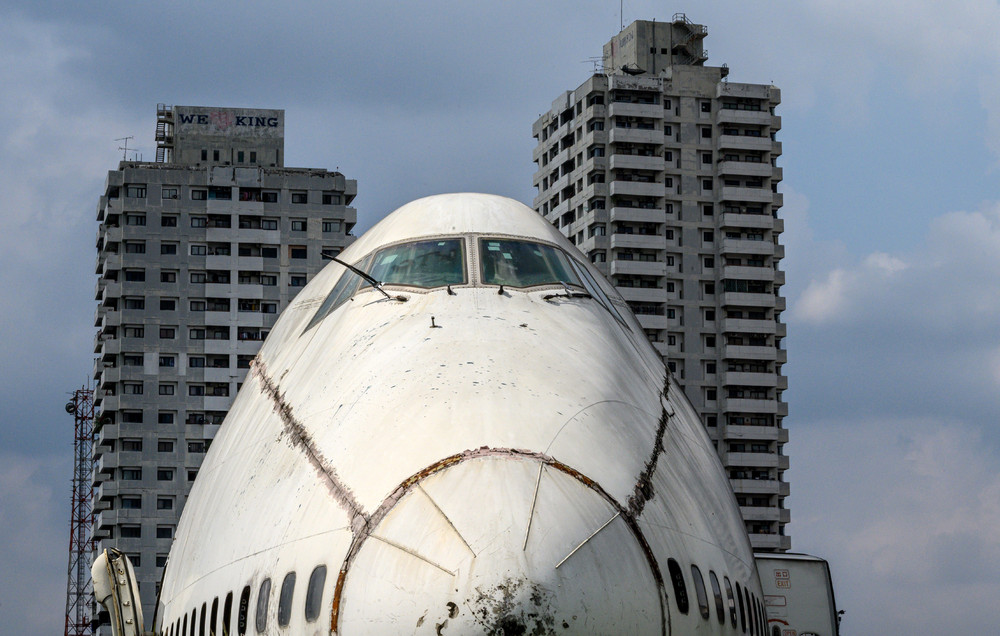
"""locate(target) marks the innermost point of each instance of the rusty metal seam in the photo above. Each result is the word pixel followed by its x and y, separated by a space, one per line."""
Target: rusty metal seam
pixel 643 490
pixel 303 440
pixel 373 520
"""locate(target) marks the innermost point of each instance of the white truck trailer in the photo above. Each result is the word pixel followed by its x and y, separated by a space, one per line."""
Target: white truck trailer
pixel 798 594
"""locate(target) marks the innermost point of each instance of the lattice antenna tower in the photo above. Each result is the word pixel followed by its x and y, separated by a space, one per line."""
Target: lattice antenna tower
pixel 79 586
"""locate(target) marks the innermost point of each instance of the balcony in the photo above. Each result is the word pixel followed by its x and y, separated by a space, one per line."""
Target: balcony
pixel 637 268
pixel 749 379
pixel 745 325
pixel 766 433
pixel 761 460
pixel 741 142
pixel 636 162
pixel 756 221
pixel 638 241
pixel 746 299
pixel 637 215
pixel 751 117
pixel 765 513
pixel 626 109
pixel 652 322
pixel 745 168
pixel 643 294
pixel 747 405
pixel 748 273
pixel 758 195
pixel 770 542
pixel 636 136
pixel 638 188
pixel 760 487
pixel 744 246
pixel 749 352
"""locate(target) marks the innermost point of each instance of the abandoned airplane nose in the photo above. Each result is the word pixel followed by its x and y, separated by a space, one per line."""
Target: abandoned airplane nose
pixel 500 543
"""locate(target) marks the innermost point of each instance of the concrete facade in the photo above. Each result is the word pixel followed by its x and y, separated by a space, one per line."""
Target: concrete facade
pixel 665 174
pixel 197 254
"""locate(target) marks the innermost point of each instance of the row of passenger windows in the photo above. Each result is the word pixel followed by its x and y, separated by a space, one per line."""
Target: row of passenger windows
pixel 206 620
pixel 742 604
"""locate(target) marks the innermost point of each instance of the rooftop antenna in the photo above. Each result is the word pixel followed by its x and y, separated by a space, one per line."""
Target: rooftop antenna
pixel 124 148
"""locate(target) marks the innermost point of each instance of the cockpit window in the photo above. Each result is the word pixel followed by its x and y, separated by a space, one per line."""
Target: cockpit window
pixel 340 293
pixel 517 263
pixel 432 263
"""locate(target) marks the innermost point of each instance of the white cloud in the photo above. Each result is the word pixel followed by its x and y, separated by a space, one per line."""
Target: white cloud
pixel 906 511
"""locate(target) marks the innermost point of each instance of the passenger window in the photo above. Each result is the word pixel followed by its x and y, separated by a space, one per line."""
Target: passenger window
pixel 314 593
pixel 421 264
pixel 194 621
pixel 285 599
pixel 241 622
pixel 215 617
pixel 523 264
pixel 731 601
pixel 184 630
pixel 227 614
pixel 720 607
pixel 680 590
pixel 201 625
pixel 263 596
pixel 743 616
pixel 746 597
pixel 699 588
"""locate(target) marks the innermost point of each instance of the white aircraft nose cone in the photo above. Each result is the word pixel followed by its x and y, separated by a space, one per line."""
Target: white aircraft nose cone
pixel 500 545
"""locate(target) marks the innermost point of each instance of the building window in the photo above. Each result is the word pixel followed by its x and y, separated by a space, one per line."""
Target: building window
pixel 269 224
pixel 168 304
pixel 192 474
pixel 167 333
pixel 215 155
pixel 168 192
pixel 706 132
pixel 197 362
pixel 298 225
pixel 168 277
pixel 130 532
pixel 330 198
pixel 168 220
pixel 131 503
pixel 253 156
pixel 167 361
pixel 164 503
pixel 164 532
pixel 706 106
pixel 166 389
pixel 134 331
pixel 297 280
pixel 132 445
pixel 196 334
pixel 165 446
pixel 300 196
pixel 711 395
pixel 135 190
pixel 709 342
pixel 132 417
pixel 297 251
pixel 240 156
pixel 164 474
pixel 131 474
pixel 199 250
pixel 198 195
pixel 706 157
pixel 269 196
pixel 165 417
pixel 168 249
pixel 196 390
pixel 132 388
pixel 135 275
pixel 708 209
pixel 135 247
pixel 706 184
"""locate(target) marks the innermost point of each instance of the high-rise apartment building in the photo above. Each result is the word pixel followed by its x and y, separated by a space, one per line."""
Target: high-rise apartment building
pixel 198 252
pixel 665 174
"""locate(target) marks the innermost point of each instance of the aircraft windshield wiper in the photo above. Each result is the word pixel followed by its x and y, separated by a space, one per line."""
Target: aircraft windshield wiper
pixel 376 284
pixel 569 293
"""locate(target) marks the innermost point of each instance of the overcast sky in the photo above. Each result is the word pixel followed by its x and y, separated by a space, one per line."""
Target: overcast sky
pixel 891 135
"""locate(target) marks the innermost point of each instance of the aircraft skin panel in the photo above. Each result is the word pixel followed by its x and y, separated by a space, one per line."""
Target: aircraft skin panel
pixel 506 453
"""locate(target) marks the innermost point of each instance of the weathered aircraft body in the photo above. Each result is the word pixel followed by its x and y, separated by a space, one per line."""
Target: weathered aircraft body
pixel 475 437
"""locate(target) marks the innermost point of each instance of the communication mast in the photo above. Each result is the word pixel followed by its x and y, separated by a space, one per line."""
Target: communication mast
pixel 79 586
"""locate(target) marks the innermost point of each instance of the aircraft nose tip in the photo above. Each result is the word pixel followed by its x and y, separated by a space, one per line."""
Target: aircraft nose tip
pixel 501 545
